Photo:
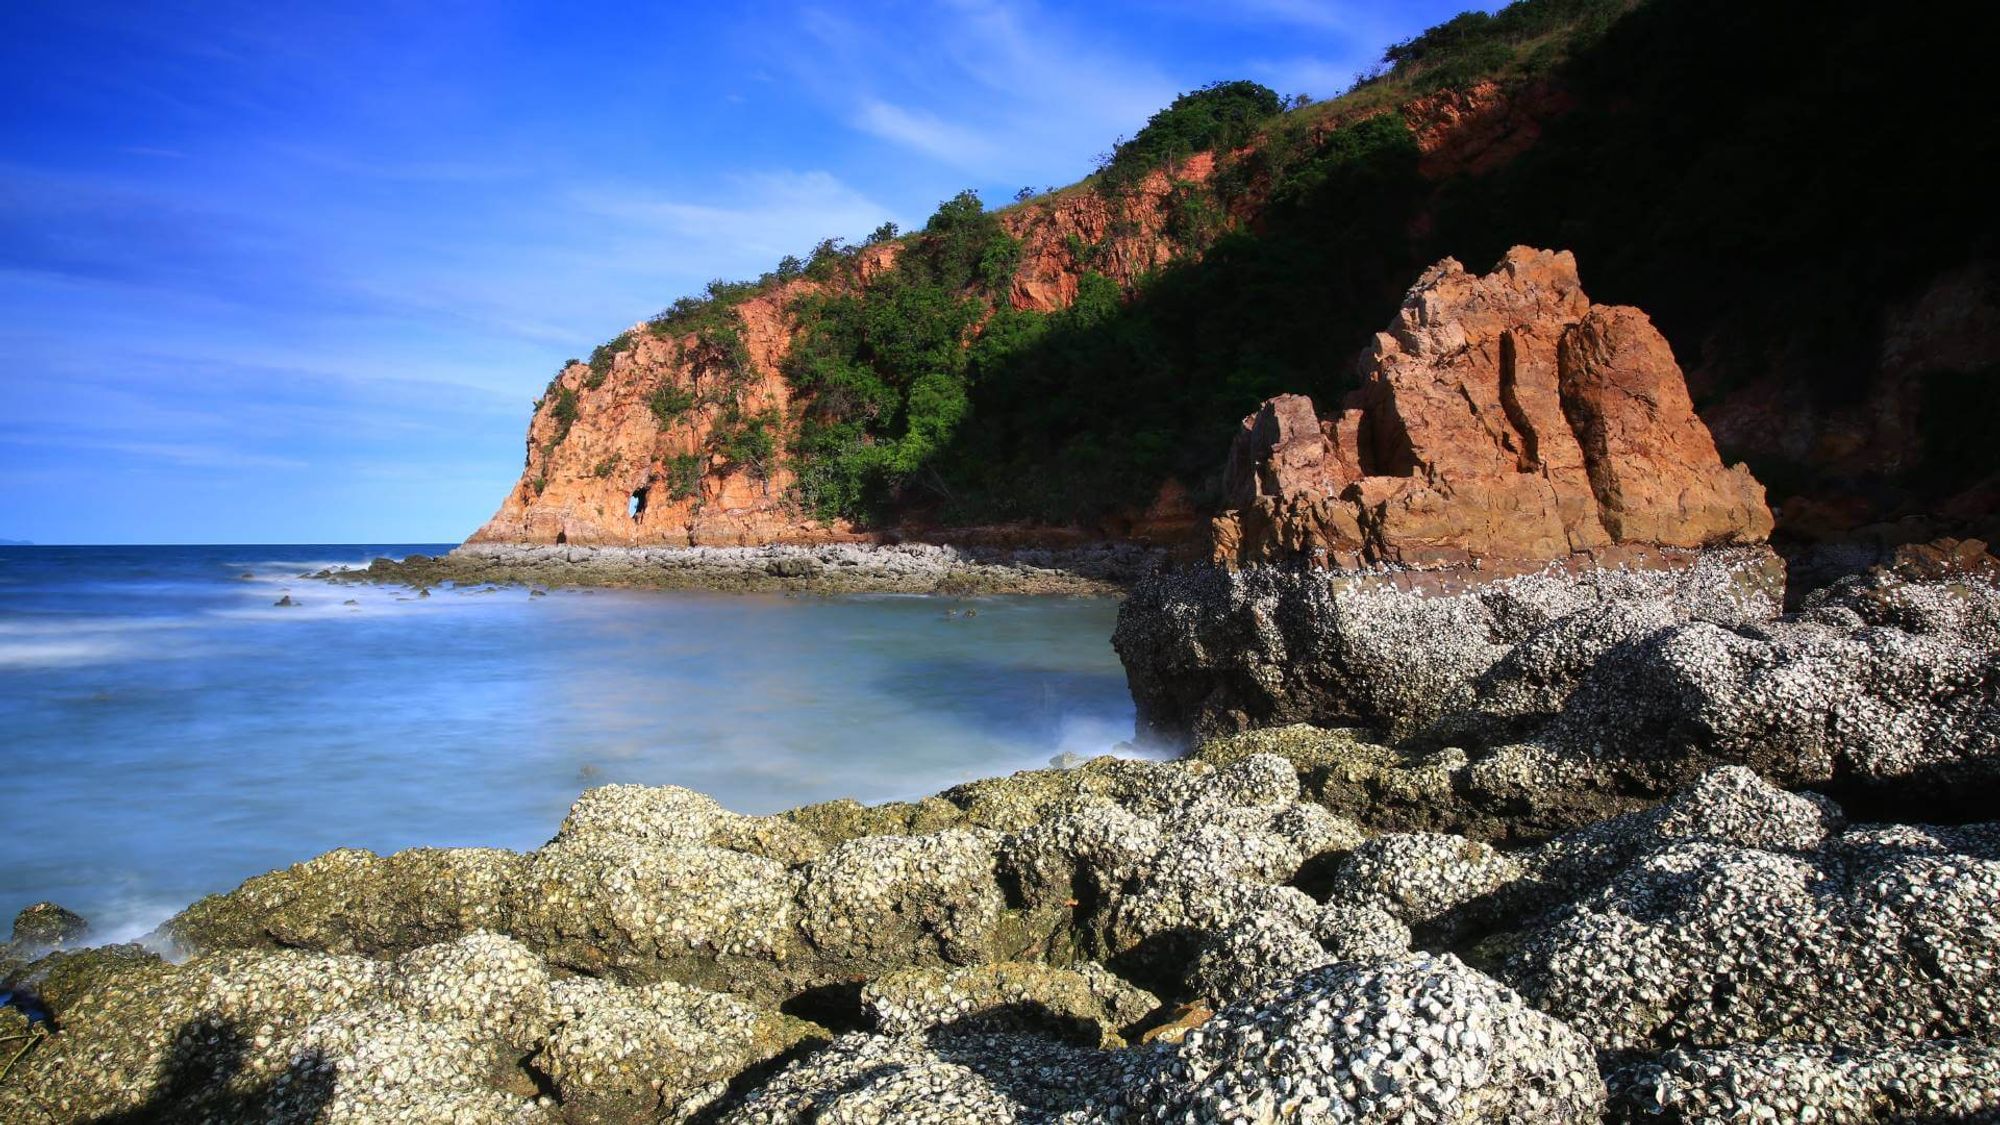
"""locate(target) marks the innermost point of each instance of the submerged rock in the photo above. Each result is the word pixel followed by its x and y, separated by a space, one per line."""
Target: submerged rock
pixel 45 925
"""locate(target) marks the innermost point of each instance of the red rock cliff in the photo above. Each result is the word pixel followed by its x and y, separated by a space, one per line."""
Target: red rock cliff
pixel 1500 417
pixel 606 475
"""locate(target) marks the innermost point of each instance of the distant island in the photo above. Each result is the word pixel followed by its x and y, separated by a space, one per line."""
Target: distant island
pixel 17 542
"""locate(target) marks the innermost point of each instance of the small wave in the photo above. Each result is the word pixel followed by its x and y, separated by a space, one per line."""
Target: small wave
pixel 63 653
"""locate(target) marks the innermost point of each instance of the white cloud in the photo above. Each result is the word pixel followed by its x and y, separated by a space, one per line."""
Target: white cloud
pixel 767 216
pixel 1006 92
pixel 192 455
pixel 925 133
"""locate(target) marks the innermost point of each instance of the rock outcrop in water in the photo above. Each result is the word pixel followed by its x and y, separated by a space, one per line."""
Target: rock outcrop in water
pixel 1500 418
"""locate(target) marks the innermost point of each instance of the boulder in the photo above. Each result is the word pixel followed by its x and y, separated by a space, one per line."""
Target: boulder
pixel 1502 419
pixel 1086 1005
pixel 1396 1039
pixel 657 1052
pixel 45 925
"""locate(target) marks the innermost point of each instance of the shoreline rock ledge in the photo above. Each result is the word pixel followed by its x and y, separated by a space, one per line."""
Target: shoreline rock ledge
pixel 1501 418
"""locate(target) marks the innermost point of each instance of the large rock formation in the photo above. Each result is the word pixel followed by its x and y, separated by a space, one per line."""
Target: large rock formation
pixel 1500 417
pixel 604 469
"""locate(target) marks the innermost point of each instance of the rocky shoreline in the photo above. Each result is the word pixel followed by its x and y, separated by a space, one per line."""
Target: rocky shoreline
pixel 1586 866
pixel 837 568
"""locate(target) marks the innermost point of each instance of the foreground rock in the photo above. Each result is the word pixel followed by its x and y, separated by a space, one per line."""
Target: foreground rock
pixel 825 569
pixel 1736 952
pixel 1501 418
pixel 1528 705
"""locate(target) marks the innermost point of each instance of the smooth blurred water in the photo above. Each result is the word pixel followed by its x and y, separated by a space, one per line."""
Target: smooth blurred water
pixel 166 731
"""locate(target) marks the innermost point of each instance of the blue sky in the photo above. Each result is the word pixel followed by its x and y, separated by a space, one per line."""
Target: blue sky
pixel 277 272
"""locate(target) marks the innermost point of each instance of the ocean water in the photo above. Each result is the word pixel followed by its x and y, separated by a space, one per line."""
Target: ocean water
pixel 166 731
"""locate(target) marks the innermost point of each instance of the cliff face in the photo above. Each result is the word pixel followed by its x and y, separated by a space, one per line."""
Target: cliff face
pixel 1825 275
pixel 1500 417
pixel 607 475
pixel 602 469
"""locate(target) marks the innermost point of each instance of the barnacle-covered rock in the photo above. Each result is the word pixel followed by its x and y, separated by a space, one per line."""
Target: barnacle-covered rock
pixel 1254 954
pixel 1415 1038
pixel 884 902
pixel 670 814
pixel 657 1051
pixel 1847 1084
pixel 1088 1008
pixel 643 912
pixel 1703 944
pixel 1423 879
pixel 492 983
pixel 354 901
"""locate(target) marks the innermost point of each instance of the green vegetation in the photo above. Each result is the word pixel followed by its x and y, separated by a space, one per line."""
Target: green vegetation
pixel 607 466
pixel 602 357
pixel 670 402
pixel 1474 45
pixel 1218 117
pixel 748 440
pixel 684 475
pixel 1714 170
pixel 886 368
pixel 564 412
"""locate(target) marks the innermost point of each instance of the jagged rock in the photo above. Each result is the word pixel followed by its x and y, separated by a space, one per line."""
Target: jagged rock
pixel 883 902
pixel 661 1051
pixel 1881 934
pixel 1087 1005
pixel 1500 417
pixel 354 901
pixel 1939 1080
pixel 45 925
pixel 1414 1038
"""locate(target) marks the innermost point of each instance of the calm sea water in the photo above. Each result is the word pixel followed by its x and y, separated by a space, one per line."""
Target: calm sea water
pixel 166 731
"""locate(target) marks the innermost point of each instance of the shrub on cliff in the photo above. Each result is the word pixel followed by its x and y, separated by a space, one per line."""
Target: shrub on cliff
pixel 1219 116
pixel 670 402
pixel 684 472
pixel 564 413
pixel 603 356
pixel 886 366
pixel 1475 45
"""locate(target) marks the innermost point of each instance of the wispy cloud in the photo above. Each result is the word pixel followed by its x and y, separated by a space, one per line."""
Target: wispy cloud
pixel 1007 91
pixel 769 215
pixel 181 454
pixel 926 133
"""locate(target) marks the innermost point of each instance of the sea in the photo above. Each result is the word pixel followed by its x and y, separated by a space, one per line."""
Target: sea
pixel 168 730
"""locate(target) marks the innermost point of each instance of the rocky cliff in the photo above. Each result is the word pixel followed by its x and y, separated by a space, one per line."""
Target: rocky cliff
pixel 1838 322
pixel 604 467
pixel 1501 418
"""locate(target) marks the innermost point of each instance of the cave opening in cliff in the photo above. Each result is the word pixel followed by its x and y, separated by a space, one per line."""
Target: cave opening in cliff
pixel 636 506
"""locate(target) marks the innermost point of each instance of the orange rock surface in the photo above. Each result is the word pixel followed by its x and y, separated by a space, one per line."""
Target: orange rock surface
pixel 1500 417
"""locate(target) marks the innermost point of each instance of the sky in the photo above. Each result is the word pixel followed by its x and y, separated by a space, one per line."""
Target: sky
pixel 280 272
